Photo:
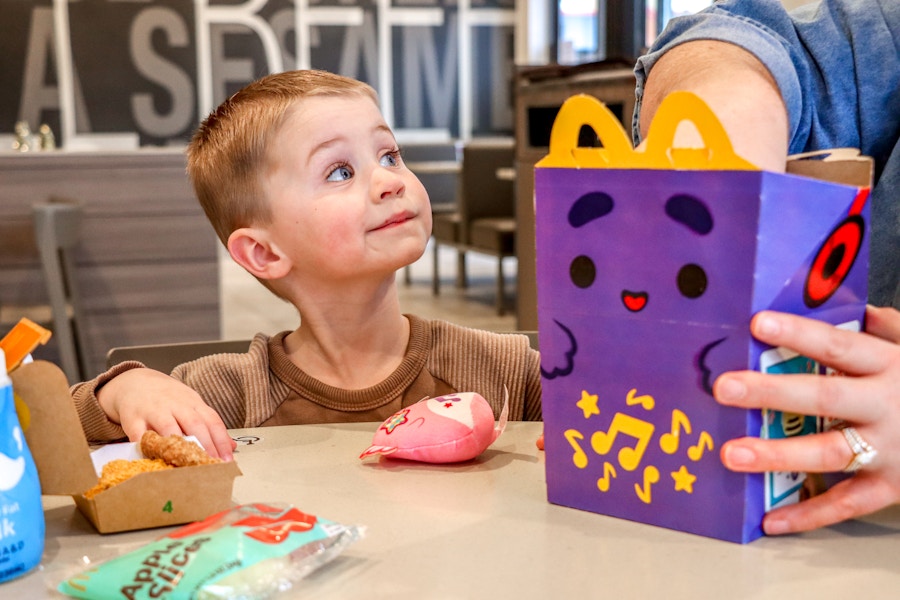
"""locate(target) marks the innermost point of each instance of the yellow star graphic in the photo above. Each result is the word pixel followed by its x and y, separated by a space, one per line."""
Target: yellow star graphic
pixel 684 481
pixel 588 404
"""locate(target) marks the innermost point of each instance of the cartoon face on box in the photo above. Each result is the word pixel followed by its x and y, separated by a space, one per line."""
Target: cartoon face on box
pixel 647 279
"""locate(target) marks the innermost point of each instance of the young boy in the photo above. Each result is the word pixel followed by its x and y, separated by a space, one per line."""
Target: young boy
pixel 302 179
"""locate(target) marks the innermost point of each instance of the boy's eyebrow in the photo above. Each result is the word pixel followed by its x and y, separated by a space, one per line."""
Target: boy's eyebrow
pixel 321 148
pixel 324 145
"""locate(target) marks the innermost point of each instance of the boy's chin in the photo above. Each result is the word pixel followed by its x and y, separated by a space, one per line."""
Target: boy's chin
pixel 418 254
pixel 400 265
pixel 411 252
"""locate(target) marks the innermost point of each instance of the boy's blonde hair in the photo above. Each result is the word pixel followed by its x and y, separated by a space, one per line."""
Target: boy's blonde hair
pixel 229 151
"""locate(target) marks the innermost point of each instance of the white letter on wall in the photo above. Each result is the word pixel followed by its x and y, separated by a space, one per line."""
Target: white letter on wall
pixel 244 14
pixel 161 72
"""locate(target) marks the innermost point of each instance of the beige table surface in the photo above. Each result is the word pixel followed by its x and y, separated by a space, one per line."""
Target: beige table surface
pixel 484 529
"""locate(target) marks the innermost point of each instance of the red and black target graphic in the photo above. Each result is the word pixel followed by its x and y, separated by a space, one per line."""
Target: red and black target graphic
pixel 835 257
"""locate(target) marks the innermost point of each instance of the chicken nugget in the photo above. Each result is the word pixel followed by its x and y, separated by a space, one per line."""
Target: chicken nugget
pixel 175 450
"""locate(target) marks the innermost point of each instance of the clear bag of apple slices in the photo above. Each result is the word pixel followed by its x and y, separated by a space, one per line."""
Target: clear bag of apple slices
pixel 252 551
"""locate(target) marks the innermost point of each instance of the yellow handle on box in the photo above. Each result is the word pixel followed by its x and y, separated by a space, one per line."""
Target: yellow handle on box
pixel 576 112
pixel 659 152
pixel 717 153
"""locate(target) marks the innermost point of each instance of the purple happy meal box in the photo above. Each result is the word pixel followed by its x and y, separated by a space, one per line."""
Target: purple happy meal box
pixel 650 265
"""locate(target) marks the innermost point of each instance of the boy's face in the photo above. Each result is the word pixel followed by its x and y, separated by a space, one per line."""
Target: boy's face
pixel 344 205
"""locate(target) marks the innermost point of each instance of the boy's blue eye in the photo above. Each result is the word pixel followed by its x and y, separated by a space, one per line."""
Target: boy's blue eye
pixel 342 173
pixel 391 159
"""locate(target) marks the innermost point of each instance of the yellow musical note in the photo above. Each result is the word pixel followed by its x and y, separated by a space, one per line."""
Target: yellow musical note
pixel 609 471
pixel 705 441
pixel 668 442
pixel 651 476
pixel 579 458
pixel 629 458
pixel 646 401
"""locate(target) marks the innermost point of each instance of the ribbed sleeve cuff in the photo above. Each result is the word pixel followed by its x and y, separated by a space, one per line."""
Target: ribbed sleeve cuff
pixel 94 421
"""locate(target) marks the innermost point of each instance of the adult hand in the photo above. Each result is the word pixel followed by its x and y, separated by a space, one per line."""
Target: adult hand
pixel 867 397
pixel 142 399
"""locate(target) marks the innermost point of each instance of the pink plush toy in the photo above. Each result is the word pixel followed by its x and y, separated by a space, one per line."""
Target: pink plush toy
pixel 445 429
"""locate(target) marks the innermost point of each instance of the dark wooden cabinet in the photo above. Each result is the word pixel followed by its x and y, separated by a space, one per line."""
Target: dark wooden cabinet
pixel 539 94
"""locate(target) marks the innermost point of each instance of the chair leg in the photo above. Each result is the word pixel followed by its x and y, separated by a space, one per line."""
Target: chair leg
pixel 62 326
pixel 55 227
pixel 501 293
pixel 435 277
pixel 77 320
pixel 462 280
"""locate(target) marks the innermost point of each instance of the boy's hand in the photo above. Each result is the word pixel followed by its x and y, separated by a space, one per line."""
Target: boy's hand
pixel 142 399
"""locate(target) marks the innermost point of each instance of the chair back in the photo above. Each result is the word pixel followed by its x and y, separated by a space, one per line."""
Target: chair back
pixel 440 185
pixel 56 229
pixel 165 357
pixel 482 193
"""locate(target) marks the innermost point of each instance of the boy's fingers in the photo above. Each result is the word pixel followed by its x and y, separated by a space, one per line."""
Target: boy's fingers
pixel 135 431
pixel 137 426
pixel 206 425
pixel 202 430
pixel 222 443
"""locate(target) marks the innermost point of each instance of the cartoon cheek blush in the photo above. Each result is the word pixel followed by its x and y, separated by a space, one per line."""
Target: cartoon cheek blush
pixel 446 429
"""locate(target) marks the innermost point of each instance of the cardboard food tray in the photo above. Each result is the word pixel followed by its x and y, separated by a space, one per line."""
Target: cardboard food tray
pixel 63 458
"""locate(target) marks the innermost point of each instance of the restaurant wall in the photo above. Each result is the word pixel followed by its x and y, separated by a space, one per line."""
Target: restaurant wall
pixel 150 70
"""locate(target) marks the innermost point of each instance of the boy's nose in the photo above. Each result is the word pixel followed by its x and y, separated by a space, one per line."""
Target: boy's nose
pixel 387 183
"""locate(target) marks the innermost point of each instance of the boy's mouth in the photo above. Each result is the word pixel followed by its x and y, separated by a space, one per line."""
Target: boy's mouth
pixel 397 219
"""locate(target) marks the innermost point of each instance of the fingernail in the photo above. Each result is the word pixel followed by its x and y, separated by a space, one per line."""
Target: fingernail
pixel 767 325
pixel 730 389
pixel 775 526
pixel 739 456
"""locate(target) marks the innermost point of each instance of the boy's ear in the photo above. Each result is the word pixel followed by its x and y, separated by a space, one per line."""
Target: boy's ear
pixel 252 249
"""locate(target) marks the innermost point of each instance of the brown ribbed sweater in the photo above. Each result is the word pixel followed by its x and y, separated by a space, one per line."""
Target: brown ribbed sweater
pixel 263 387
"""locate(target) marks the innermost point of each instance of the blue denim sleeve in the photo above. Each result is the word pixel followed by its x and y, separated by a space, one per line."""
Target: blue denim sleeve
pixel 836 62
pixel 837 65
